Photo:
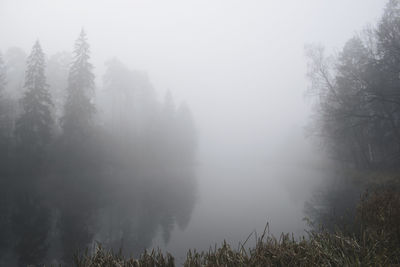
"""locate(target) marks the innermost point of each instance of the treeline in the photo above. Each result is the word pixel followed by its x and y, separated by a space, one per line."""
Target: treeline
pixel 357 117
pixel 358 97
pixel 81 164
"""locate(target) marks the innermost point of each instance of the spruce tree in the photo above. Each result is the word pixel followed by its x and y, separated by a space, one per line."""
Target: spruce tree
pixel 79 108
pixel 34 126
pixel 79 174
pixel 31 217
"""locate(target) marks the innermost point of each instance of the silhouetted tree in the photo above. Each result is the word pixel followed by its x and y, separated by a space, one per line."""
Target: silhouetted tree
pixel 80 169
pixel 31 216
pixel 79 108
pixel 34 126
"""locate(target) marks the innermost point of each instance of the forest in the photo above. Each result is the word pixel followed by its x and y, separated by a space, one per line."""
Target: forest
pixel 73 174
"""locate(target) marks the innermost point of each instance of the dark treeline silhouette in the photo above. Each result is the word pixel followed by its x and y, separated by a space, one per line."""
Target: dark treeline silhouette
pixel 357 112
pixel 81 165
pixel 358 96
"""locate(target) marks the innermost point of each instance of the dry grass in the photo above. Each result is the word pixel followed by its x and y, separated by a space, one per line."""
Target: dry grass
pixel 105 258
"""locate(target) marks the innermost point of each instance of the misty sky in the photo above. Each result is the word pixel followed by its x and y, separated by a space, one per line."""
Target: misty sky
pixel 239 65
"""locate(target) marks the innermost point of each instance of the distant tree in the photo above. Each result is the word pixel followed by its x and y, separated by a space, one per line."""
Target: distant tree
pixel 57 77
pixel 34 126
pixel 79 107
pixel 120 89
pixel 31 217
pixel 15 59
pixel 78 156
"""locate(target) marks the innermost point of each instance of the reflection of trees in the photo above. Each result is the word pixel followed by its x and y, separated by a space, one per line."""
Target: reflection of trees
pixel 152 162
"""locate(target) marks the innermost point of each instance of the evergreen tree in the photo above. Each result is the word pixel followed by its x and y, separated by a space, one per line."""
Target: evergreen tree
pixel 34 126
pixel 31 217
pixel 79 176
pixel 79 108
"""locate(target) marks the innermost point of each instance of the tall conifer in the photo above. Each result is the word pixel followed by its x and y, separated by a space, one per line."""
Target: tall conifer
pixel 30 216
pixel 79 108
pixel 34 126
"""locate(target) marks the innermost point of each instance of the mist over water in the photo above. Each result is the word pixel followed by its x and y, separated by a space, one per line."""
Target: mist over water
pixel 240 69
pixel 238 196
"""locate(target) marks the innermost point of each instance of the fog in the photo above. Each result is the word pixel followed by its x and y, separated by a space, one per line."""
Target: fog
pixel 241 69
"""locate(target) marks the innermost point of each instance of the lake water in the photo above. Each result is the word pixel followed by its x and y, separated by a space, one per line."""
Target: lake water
pixel 236 197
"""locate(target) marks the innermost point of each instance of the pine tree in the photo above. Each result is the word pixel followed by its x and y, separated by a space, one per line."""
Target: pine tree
pixel 34 126
pixel 79 157
pixel 79 108
pixel 30 216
